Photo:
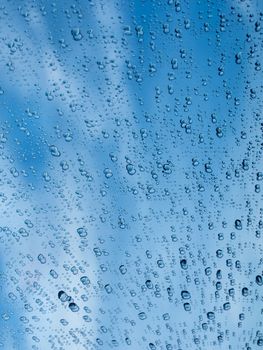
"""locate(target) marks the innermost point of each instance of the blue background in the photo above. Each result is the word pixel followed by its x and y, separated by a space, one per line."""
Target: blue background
pixel 138 122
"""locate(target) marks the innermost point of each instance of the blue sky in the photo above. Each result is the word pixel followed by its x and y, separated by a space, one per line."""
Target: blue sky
pixel 172 91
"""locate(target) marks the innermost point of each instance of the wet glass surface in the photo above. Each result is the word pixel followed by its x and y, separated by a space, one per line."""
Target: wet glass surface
pixel 131 168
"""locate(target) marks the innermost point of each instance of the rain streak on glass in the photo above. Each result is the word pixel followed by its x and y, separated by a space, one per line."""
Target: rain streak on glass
pixel 131 140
